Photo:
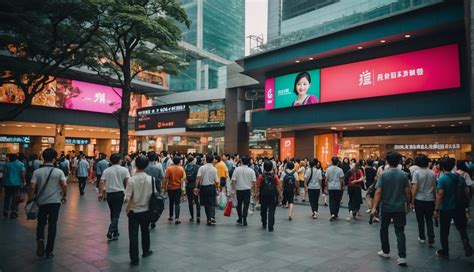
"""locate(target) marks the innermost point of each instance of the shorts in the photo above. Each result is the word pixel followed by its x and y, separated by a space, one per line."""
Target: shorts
pixel 288 197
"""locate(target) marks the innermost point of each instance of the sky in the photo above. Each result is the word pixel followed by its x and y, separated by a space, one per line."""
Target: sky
pixel 255 20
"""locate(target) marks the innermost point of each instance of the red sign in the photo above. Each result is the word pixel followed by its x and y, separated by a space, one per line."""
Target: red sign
pixel 425 70
pixel 287 148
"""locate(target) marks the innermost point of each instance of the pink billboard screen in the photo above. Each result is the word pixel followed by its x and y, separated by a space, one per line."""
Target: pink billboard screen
pixel 424 70
pixel 93 97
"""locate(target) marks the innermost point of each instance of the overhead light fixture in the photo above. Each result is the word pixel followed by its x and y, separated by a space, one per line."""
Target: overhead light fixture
pixel 297 61
pixel 453 125
pixel 389 126
pixel 407 35
pixel 333 127
pixel 33 125
pixel 382 41
pixel 406 125
pixel 344 128
pixel 18 125
pixel 433 125
pixel 360 47
pixel 460 123
pixel 379 125
pixel 3 125
pixel 48 127
pixel 361 127
pixel 91 130
pixel 311 58
pixel 68 128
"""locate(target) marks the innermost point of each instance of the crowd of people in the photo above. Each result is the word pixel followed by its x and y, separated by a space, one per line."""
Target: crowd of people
pixel 438 191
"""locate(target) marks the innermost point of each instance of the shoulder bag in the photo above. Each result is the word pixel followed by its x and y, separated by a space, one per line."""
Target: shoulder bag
pixel 32 208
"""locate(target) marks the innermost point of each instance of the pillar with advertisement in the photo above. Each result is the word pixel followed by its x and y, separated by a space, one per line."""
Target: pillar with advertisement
pixel 287 148
pixel 326 147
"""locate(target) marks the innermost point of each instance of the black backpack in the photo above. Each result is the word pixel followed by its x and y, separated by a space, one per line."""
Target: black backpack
pixel 191 173
pixel 460 197
pixel 268 187
pixel 63 166
pixel 156 204
pixel 289 182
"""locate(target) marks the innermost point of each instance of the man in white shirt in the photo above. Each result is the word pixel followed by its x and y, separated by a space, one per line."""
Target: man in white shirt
pixel 335 187
pixel 137 194
pixel 206 181
pixel 243 179
pixel 114 179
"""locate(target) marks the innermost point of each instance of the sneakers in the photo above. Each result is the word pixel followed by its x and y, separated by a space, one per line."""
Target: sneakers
pixel 115 236
pixel 368 211
pixel 333 217
pixel 49 255
pixel 150 252
pixel 109 236
pixel 153 225
pixel 191 219
pixel 198 220
pixel 245 223
pixel 383 254
pixel 442 254
pixel 315 215
pixel 239 222
pixel 402 262
pixel 431 242
pixel 177 221
pixel 421 240
pixel 40 248
pixel 270 230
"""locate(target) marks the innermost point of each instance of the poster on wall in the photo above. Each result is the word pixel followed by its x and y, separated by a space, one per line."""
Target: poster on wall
pixel 292 90
pixel 411 72
pixel 287 148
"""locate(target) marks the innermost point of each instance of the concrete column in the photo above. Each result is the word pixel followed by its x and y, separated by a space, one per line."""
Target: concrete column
pixel 104 146
pixel 35 146
pixel 59 138
pixel 469 26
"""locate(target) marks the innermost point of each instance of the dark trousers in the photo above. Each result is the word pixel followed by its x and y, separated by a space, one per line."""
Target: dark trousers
pixel 115 201
pixel 82 184
pixel 48 214
pixel 175 201
pixel 445 217
pixel 355 199
pixel 424 212
pixel 97 180
pixel 399 222
pixel 268 205
pixel 136 221
pixel 335 197
pixel 208 199
pixel 192 198
pixel 9 202
pixel 313 195
pixel 243 197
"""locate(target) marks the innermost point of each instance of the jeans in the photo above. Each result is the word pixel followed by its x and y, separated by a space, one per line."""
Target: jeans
pixel 208 199
pixel 10 198
pixel 268 204
pixel 193 198
pixel 115 201
pixel 355 199
pixel 445 217
pixel 313 195
pixel 175 201
pixel 243 197
pixel 82 184
pixel 97 180
pixel 399 222
pixel 135 221
pixel 424 212
pixel 48 214
pixel 335 197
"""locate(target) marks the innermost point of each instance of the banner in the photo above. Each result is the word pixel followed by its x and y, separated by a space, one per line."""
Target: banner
pixel 287 148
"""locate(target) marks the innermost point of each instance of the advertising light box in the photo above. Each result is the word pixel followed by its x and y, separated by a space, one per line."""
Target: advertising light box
pixel 418 71
pixel 162 117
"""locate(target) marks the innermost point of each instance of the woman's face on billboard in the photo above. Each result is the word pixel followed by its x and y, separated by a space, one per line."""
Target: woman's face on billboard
pixel 302 85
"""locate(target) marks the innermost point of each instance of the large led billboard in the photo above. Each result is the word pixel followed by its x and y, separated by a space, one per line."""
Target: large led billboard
pixel 418 71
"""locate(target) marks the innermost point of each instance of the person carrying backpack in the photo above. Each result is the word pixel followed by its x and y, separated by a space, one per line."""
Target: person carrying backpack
pixel 268 191
pixel 290 178
pixel 191 170
pixel 451 202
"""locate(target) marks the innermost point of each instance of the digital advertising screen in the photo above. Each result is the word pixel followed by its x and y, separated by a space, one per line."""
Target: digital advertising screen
pixel 162 117
pixel 430 69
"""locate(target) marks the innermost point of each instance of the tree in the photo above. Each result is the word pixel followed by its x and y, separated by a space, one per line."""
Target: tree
pixel 136 36
pixel 42 40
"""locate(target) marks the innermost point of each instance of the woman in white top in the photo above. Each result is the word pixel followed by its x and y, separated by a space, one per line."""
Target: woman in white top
pixel 312 186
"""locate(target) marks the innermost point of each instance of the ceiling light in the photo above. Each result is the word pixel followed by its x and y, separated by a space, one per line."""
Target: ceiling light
pixel 379 125
pixel 460 123
pixel 360 47
pixel 33 125
pixel 311 58
pixel 344 128
pixel 48 127
pixel 433 125
pixel 18 125
pixel 297 61
pixel 361 127
pixel 69 128
pixel 407 36
pixel 382 41
pixel 91 130
pixel 389 126
pixel 453 125
pixel 406 125
pixel 333 127
pixel 3 125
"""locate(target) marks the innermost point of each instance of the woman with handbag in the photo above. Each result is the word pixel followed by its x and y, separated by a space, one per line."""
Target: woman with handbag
pixel 51 187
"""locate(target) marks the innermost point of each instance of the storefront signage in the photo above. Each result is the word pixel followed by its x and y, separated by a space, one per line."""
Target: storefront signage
pixel 69 94
pixel 15 139
pixel 47 140
pixel 424 70
pixel 77 141
pixel 426 146
pixel 206 115
pixel 162 117
pixel 287 148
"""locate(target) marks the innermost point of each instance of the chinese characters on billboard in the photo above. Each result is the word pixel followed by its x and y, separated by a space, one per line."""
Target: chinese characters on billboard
pixel 69 94
pixel 424 70
pixel 287 148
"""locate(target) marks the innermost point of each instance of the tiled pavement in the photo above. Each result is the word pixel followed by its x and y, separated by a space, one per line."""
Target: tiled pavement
pixel 303 244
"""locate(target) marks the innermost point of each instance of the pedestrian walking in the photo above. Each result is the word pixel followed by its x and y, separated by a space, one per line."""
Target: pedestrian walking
pixel 191 169
pixel 290 185
pixel 393 194
pixel 137 194
pixel 113 181
pixel 82 173
pixel 335 185
pixel 312 187
pixel 268 191
pixel 175 179
pixel 243 180
pixel 50 184
pixel 206 181
pixel 14 178
pixel 354 190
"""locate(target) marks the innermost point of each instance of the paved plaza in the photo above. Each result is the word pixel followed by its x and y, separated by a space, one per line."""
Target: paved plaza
pixel 303 244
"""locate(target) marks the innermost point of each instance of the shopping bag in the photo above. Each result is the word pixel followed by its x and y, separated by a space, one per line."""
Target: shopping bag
pixel 21 195
pixel 32 210
pixel 228 208
pixel 234 202
pixel 223 201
